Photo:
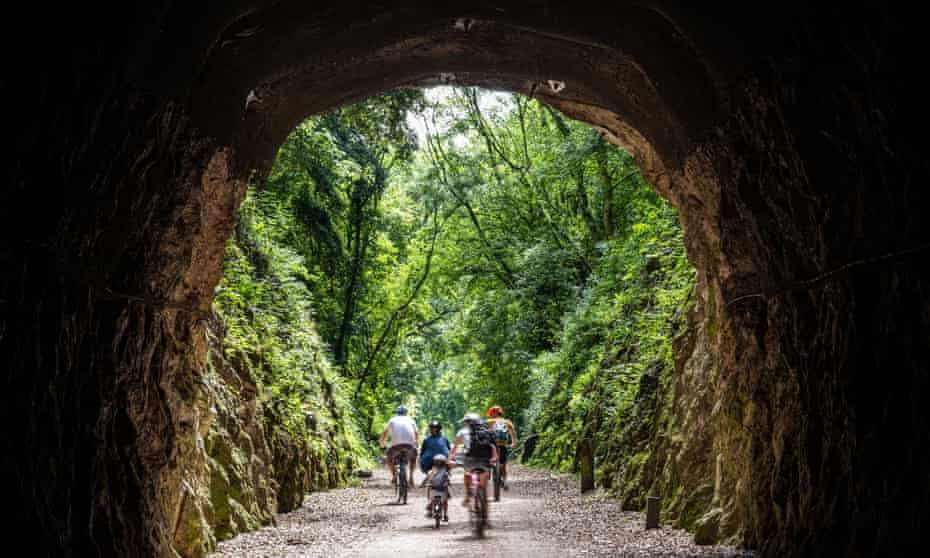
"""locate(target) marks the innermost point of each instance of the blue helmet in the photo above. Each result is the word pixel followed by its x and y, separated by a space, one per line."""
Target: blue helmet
pixel 401 410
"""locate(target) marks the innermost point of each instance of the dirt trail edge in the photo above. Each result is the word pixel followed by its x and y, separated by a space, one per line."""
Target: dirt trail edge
pixel 542 516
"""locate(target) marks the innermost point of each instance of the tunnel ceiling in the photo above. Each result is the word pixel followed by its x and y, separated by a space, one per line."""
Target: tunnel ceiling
pixel 636 70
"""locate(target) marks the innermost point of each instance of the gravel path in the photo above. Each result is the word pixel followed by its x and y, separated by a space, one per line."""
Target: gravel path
pixel 542 515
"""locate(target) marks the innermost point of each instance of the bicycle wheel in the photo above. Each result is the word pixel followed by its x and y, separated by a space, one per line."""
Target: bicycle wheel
pixel 397 480
pixel 480 514
pixel 497 483
pixel 402 481
pixel 437 513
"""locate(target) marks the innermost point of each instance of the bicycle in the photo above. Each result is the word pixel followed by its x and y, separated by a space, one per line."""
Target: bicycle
pixel 436 497
pixel 400 484
pixel 497 480
pixel 478 510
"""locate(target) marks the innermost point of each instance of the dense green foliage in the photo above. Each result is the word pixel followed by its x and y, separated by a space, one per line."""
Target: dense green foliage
pixel 511 256
pixel 362 250
pixel 270 336
pixel 614 347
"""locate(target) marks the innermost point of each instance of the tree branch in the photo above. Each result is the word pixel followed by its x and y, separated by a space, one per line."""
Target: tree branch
pixel 396 314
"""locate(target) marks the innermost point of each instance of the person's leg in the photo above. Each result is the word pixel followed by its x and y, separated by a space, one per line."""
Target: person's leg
pixel 483 481
pixel 412 464
pixel 467 488
pixel 425 470
pixel 503 454
pixel 390 462
pixel 445 503
pixel 485 476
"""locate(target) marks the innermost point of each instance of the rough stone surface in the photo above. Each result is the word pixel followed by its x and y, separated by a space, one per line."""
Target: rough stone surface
pixel 784 135
pixel 247 467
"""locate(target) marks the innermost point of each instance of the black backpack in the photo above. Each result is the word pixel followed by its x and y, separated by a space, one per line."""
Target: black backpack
pixel 482 440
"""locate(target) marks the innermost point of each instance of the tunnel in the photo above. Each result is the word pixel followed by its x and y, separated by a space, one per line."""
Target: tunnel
pixel 787 136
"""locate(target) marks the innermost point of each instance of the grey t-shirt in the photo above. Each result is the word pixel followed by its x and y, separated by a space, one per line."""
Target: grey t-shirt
pixel 440 479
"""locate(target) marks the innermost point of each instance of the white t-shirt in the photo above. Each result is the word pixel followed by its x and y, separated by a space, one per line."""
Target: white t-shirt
pixel 463 438
pixel 402 430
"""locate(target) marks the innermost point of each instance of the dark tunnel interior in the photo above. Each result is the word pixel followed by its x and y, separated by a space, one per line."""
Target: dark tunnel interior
pixel 790 139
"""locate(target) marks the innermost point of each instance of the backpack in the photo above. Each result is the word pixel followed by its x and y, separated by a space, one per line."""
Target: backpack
pixel 501 432
pixel 481 441
pixel 440 480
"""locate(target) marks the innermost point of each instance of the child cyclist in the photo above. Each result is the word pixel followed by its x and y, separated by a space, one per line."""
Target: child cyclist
pixel 438 482
pixel 434 444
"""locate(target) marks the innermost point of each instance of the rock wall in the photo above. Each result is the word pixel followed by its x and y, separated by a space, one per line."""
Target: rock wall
pixel 248 466
pixel 822 350
pixel 791 421
pixel 810 243
pixel 670 445
pixel 230 485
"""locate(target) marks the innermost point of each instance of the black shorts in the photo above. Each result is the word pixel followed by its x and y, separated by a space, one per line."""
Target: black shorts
pixel 503 452
pixel 482 463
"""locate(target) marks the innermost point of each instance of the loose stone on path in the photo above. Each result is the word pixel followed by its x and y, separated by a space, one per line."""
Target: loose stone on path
pixel 542 515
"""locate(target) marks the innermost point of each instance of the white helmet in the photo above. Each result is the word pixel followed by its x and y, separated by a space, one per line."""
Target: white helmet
pixel 439 458
pixel 471 418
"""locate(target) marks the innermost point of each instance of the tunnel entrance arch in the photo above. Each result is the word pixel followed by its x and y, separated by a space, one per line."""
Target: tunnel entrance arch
pixel 151 130
pixel 650 90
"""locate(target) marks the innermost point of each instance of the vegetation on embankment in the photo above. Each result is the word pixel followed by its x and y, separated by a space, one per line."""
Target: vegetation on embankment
pixel 606 394
pixel 271 338
pixel 604 379
pixel 282 425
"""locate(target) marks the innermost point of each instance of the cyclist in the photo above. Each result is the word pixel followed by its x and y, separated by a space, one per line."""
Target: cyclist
pixel 404 437
pixel 504 435
pixel 434 444
pixel 477 442
pixel 439 480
